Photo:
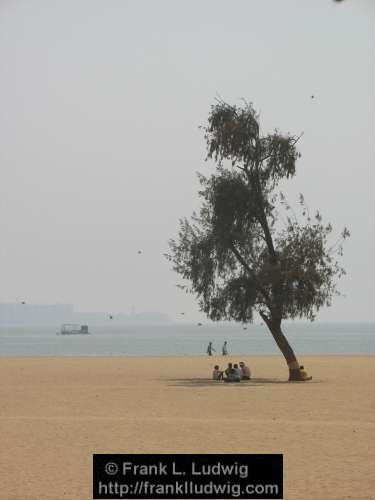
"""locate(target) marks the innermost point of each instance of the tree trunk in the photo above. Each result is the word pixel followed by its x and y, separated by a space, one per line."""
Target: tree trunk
pixel 287 351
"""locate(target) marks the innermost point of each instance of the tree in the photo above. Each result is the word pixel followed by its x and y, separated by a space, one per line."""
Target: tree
pixel 240 253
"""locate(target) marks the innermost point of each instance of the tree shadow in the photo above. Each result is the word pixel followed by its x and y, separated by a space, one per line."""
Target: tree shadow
pixel 206 382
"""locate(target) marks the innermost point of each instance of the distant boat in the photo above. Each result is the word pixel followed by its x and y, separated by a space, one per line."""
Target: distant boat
pixel 69 329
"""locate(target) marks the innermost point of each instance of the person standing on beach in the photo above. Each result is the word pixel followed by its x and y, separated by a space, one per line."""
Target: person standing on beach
pixel 224 349
pixel 210 349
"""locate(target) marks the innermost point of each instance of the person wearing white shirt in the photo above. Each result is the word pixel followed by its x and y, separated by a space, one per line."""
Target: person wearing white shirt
pixel 237 373
pixel 245 371
pixel 217 374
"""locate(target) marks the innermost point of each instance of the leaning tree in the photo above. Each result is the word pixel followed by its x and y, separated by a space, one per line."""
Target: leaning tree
pixel 247 250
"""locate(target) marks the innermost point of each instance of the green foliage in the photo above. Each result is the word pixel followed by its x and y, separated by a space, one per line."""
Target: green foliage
pixel 233 134
pixel 232 253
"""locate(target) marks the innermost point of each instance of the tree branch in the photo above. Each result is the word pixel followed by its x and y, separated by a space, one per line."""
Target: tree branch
pixel 243 262
pixel 297 139
pixel 265 318
pixel 263 220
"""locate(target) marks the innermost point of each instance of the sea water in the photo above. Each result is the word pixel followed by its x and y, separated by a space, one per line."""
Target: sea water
pixel 186 339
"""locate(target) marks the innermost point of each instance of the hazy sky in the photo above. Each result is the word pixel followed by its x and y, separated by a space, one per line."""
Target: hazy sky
pixel 99 140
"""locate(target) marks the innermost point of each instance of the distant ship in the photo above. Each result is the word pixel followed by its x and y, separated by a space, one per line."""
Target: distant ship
pixel 69 329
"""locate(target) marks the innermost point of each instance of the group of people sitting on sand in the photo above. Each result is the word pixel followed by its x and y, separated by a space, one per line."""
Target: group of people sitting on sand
pixel 233 373
pixel 237 372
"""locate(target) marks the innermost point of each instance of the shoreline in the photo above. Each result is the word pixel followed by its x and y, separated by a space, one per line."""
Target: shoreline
pixel 197 356
pixel 181 356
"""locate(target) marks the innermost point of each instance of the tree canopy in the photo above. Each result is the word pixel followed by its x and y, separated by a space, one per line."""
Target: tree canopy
pixel 247 250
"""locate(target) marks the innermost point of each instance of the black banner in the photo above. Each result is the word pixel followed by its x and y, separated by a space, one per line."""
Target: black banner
pixel 187 476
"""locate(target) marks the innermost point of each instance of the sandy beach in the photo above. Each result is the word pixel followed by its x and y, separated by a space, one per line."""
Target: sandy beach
pixel 56 412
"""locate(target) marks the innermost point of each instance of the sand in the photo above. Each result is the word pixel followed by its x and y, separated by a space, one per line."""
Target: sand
pixel 56 412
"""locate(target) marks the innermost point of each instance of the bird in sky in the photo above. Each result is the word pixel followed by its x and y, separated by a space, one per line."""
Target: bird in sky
pixel 312 96
pixel 182 313
pixel 139 252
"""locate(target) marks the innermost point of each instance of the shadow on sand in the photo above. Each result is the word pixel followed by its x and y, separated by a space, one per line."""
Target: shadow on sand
pixel 206 382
